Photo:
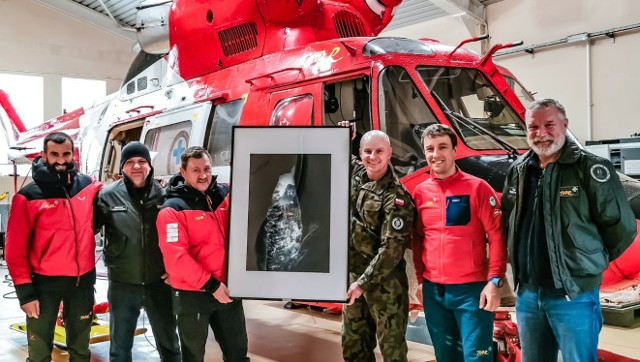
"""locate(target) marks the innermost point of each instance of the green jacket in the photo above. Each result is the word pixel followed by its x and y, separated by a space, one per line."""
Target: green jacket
pixel 382 217
pixel 587 216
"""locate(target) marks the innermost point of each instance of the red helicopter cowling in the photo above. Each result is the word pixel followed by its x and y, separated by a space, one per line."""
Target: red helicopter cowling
pixel 234 32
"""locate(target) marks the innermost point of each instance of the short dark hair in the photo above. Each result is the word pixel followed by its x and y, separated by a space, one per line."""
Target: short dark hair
pixel 195 152
pixel 437 130
pixel 58 138
pixel 546 103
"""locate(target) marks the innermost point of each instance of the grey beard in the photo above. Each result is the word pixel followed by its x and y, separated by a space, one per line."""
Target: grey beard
pixel 547 151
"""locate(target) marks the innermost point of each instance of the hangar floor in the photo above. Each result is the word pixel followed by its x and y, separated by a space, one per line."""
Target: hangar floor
pixel 275 334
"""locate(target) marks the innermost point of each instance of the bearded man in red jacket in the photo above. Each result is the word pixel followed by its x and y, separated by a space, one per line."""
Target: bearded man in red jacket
pixel 50 250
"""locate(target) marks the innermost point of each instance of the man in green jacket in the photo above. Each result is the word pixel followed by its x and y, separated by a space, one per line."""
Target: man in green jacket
pixel 567 217
pixel 382 217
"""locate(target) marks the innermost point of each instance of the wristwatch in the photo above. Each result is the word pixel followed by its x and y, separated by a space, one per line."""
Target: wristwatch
pixel 497 281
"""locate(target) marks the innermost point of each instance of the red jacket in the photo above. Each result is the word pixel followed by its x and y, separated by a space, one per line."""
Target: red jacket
pixel 192 234
pixel 458 216
pixel 50 227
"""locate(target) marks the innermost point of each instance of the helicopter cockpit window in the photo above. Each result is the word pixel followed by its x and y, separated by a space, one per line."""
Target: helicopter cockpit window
pixel 404 115
pixel 475 108
pixel 166 144
pixel 225 116
pixel 396 45
pixel 523 94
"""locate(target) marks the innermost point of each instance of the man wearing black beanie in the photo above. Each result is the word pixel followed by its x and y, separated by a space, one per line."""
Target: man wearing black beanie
pixel 128 209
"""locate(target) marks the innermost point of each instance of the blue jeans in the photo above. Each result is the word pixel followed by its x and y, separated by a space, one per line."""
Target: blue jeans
pixel 125 301
pixel 459 329
pixel 547 321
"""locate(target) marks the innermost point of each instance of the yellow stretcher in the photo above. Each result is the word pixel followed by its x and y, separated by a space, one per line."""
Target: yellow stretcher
pixel 99 333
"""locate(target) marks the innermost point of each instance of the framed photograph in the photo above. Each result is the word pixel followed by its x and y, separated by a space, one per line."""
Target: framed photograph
pixel 289 223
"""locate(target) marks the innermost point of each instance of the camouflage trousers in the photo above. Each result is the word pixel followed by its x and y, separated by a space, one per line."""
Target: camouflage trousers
pixel 381 312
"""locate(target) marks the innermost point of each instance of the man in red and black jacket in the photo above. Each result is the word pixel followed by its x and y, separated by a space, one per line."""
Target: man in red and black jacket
pixel 50 250
pixel 193 234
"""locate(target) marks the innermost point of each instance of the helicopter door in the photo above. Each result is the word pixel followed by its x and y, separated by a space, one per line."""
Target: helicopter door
pixel 349 100
pixel 168 135
pixel 116 139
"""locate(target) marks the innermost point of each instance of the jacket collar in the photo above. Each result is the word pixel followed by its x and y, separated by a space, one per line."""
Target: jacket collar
pixel 381 184
pixel 178 188
pixel 43 174
pixel 570 152
pixel 453 178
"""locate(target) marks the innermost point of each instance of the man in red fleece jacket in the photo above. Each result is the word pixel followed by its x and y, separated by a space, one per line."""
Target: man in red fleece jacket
pixel 458 214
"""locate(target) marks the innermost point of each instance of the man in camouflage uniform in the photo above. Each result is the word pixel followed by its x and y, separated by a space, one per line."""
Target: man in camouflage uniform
pixel 382 216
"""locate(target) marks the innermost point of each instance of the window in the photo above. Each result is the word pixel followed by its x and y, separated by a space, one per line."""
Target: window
pixel 523 94
pixel 403 116
pixel 26 93
pixel 78 93
pixel 166 144
pixel 475 108
pixel 225 117
pixel 348 101
pixel 293 111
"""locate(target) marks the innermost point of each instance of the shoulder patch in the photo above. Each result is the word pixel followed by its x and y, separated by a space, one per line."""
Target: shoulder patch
pixel 172 233
pixel 600 173
pixel 492 201
pixel 399 202
pixel 397 223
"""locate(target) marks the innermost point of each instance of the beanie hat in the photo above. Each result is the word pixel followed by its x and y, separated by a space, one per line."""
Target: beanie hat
pixel 134 149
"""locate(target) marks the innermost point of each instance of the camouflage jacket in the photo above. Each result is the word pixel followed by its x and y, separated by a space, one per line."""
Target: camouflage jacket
pixel 382 217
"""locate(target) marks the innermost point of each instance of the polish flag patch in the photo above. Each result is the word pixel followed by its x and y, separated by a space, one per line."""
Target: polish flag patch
pixel 399 202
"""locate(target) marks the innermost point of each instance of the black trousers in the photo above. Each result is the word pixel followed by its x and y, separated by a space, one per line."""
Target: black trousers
pixel 77 315
pixel 226 320
pixel 125 301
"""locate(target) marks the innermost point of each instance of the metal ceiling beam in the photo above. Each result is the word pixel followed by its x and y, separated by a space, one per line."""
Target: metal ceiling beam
pixel 472 8
pixel 412 12
pixel 88 16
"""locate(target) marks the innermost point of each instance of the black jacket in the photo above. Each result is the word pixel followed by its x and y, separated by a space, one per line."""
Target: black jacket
pixel 587 217
pixel 131 251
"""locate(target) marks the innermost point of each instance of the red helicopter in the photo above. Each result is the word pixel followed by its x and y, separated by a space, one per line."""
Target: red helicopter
pixel 206 66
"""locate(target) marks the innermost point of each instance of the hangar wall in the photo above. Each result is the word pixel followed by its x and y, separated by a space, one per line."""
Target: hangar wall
pixel 563 71
pixel 36 40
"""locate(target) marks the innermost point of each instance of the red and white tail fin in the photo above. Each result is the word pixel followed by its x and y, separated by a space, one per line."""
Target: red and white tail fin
pixel 11 123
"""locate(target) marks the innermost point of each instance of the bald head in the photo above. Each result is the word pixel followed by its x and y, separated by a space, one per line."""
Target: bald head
pixel 375 152
pixel 374 134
